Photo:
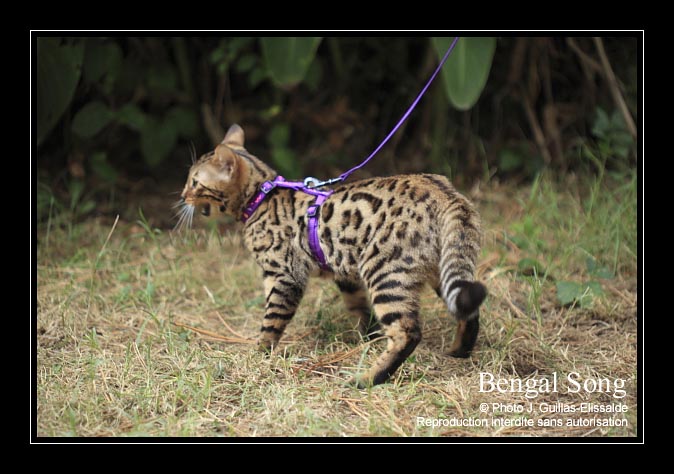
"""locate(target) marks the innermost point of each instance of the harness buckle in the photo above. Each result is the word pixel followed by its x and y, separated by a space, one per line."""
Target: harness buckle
pixel 267 186
pixel 311 210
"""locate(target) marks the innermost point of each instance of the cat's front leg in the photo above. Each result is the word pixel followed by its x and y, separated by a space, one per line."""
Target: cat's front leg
pixel 283 295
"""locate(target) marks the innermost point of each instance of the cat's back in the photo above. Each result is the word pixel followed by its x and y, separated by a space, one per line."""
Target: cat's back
pixel 415 198
pixel 401 216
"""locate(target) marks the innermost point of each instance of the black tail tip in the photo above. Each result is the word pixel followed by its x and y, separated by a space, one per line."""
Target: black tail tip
pixel 470 297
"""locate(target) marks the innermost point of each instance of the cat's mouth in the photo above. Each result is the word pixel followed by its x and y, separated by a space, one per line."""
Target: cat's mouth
pixel 204 207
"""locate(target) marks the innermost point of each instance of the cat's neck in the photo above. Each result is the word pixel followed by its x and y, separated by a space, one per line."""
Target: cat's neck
pixel 256 172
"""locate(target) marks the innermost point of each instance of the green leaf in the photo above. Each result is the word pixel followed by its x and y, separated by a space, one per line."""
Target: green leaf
pixel 597 271
pixel 569 292
pixel 594 287
pixel 246 62
pixel 102 63
pixel 156 141
pixel 75 189
pixel 101 167
pixel 271 112
pixel 288 59
pixel 256 76
pixel 222 69
pixel 601 123
pixel 149 290
pixel 614 139
pixel 285 161
pixel 130 77
pixel 510 160
pixel 621 150
pixel 59 66
pixel 218 54
pixel 530 266
pixel 617 121
pixel 254 302
pixel 86 207
pixel 466 71
pixel 237 43
pixel 314 76
pixel 279 136
pixel 519 241
pixel 161 80
pixel 183 120
pixel 622 138
pixel 91 119
pixel 131 116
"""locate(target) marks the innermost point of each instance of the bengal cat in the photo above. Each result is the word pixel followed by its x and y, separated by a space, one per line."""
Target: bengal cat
pixel 383 239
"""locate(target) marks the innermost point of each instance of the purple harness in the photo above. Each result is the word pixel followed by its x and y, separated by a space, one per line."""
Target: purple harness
pixel 312 211
pixel 311 185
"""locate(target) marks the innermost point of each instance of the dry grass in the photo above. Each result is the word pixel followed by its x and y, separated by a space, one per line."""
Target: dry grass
pixel 150 334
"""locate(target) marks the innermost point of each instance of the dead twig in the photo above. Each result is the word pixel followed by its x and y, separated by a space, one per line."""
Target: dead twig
pixel 615 87
pixel 107 239
pixel 539 137
pixel 213 129
pixel 229 328
pixel 214 335
pixel 355 409
pixel 299 337
pixel 583 56
pixel 332 358
pixel 517 60
pixel 446 395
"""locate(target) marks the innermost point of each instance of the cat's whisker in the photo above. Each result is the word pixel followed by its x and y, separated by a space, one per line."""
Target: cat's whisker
pixel 185 220
pixel 184 215
pixel 179 209
pixel 191 216
pixel 180 214
pixel 193 153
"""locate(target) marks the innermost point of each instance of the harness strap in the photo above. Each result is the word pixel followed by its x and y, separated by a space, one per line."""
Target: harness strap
pixel 312 211
pixel 254 203
pixel 312 229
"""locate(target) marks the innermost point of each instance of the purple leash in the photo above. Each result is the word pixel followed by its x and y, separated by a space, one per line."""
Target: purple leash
pixel 348 173
pixel 310 185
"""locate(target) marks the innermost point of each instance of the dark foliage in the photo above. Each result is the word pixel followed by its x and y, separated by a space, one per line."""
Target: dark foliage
pixel 113 111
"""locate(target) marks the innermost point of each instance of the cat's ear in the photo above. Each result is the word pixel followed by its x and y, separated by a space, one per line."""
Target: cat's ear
pixel 234 136
pixel 226 162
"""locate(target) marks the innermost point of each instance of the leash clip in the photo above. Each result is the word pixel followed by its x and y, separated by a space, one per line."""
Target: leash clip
pixel 310 182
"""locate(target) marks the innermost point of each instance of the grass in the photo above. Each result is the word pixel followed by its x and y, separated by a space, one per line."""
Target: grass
pixel 144 332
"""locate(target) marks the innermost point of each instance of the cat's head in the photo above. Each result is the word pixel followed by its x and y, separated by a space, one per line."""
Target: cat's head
pixel 215 179
pixel 218 180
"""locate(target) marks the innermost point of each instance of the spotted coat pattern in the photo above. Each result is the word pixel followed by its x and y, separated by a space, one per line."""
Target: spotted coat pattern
pixel 383 238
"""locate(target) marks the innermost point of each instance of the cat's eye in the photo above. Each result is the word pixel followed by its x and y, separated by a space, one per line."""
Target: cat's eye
pixel 194 183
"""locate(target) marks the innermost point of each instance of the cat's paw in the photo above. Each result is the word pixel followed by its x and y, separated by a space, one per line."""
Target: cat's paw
pixel 264 347
pixel 360 383
pixel 371 333
pixel 459 353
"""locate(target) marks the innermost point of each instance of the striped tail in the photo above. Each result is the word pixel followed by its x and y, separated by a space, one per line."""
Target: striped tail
pixel 459 250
